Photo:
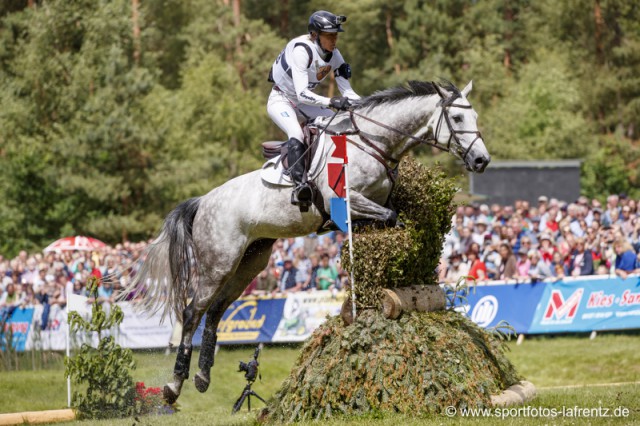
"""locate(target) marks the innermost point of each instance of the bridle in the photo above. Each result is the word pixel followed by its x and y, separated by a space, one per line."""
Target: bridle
pixel 430 139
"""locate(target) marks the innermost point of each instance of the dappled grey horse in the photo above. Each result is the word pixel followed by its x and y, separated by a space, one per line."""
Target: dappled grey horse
pixel 212 246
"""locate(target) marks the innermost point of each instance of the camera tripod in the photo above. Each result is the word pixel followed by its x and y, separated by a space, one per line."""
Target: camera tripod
pixel 246 393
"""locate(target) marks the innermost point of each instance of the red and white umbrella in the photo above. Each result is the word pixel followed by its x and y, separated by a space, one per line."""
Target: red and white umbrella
pixel 75 243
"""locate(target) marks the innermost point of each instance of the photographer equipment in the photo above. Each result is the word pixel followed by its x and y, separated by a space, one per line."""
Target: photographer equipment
pixel 251 373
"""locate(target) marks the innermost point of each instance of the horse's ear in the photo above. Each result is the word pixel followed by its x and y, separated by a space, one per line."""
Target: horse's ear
pixel 467 89
pixel 439 90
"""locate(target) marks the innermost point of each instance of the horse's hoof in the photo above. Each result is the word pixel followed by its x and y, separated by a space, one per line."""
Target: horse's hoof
pixel 202 383
pixel 170 396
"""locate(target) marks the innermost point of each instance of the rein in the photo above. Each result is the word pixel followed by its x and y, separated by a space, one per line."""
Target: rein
pixel 430 140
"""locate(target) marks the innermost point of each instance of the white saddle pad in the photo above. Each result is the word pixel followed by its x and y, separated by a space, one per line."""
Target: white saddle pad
pixel 272 172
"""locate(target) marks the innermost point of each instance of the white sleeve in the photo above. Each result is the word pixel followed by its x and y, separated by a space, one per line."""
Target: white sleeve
pixel 300 78
pixel 345 88
pixel 343 84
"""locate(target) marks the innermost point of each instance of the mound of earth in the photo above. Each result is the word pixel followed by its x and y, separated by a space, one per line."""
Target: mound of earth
pixel 418 364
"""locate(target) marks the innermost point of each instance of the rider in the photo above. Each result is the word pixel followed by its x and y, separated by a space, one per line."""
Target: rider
pixel 304 63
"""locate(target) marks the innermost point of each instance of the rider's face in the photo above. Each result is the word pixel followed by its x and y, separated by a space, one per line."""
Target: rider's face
pixel 328 41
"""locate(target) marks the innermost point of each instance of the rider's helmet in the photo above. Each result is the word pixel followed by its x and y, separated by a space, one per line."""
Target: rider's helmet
pixel 327 22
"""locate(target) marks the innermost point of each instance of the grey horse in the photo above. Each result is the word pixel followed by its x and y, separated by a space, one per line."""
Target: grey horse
pixel 212 246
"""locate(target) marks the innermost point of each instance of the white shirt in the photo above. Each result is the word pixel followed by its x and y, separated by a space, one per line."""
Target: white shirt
pixel 296 76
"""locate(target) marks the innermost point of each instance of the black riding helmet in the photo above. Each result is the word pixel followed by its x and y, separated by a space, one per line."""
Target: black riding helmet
pixel 327 22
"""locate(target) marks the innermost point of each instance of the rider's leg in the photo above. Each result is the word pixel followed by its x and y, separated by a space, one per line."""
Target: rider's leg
pixel 302 193
pixel 285 116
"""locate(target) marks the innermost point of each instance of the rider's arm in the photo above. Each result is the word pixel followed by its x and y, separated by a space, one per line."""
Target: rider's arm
pixel 343 83
pixel 300 77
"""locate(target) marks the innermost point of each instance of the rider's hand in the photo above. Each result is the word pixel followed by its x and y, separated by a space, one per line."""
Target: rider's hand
pixel 341 103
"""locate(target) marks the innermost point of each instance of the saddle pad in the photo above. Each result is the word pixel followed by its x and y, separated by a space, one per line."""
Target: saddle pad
pixel 273 172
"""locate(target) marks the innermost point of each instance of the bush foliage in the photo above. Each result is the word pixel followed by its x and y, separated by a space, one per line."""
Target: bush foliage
pixel 102 372
pixel 396 257
pixel 418 364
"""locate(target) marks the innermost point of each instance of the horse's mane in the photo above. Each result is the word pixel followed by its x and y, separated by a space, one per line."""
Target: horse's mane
pixel 412 88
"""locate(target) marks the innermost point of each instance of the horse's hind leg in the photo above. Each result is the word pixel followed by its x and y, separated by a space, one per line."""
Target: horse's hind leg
pixel 190 319
pixel 254 260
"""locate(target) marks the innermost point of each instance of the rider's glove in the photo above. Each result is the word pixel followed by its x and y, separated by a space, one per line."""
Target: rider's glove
pixel 341 103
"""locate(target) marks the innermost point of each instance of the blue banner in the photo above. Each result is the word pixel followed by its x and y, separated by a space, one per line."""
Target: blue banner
pixel 513 303
pixel 19 324
pixel 247 321
pixel 587 305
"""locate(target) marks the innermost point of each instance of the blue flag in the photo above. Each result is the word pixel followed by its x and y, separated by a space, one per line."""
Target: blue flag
pixel 339 213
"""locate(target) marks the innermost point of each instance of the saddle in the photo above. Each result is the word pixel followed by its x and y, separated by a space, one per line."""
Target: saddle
pixel 274 171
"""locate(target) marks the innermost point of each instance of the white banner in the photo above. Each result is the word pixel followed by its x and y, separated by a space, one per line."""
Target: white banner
pixel 304 312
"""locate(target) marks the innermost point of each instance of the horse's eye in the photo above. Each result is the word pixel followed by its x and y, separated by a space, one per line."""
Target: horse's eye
pixel 457 118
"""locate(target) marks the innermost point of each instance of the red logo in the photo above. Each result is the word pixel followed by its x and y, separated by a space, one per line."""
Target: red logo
pixel 560 311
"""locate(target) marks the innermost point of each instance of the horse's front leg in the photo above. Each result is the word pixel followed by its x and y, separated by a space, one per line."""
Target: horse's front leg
pixel 364 208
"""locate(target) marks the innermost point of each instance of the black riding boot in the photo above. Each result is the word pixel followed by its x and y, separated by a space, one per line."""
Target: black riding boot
pixel 302 194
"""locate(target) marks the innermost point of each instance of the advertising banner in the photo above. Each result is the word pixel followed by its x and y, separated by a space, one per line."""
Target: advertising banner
pixel 18 327
pixel 585 305
pixel 304 312
pixel 250 320
pixel 513 303
pixel 139 330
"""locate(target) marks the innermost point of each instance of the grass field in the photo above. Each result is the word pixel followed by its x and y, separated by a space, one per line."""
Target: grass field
pixel 550 363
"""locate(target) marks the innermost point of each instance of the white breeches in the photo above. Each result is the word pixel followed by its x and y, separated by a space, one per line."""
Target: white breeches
pixel 288 115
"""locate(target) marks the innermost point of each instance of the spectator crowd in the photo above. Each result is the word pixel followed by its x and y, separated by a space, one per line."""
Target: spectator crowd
pixel 523 242
pixel 547 241
pixel 40 280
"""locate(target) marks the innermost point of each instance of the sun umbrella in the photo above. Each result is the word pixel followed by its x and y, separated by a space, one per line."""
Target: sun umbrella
pixel 75 243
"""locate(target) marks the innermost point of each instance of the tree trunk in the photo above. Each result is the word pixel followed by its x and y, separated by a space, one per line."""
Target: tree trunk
pixel 599 21
pixel 390 41
pixel 136 30
pixel 508 16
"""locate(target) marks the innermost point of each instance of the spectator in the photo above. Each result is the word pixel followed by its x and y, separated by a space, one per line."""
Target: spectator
pixel 457 268
pixel 558 265
pixel 9 301
pixel 266 283
pixel 581 259
pixel 326 275
pixel 315 264
pixel 538 269
pixel 288 281
pixel 522 263
pixel 625 258
pixel 477 268
pixel 507 269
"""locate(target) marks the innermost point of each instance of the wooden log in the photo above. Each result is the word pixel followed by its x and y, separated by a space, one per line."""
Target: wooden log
pixel 421 298
pixel 347 311
pixel 29 417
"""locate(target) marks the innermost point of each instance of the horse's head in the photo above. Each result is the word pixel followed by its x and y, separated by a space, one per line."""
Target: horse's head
pixel 454 127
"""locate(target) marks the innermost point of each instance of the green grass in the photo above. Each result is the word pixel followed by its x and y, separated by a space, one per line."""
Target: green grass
pixel 547 362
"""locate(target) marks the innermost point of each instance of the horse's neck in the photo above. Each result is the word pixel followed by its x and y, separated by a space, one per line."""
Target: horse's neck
pixel 408 116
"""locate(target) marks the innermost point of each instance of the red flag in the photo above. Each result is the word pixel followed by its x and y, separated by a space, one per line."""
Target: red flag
pixel 336 178
pixel 341 148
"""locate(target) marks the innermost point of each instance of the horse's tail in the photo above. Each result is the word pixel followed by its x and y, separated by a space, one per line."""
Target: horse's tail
pixel 166 273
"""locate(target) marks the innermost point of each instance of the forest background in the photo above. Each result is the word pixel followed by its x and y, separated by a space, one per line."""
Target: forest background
pixel 112 112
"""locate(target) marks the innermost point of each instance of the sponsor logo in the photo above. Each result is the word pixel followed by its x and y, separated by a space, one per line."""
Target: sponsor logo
pixel 232 328
pixel 322 71
pixel 485 311
pixel 560 311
